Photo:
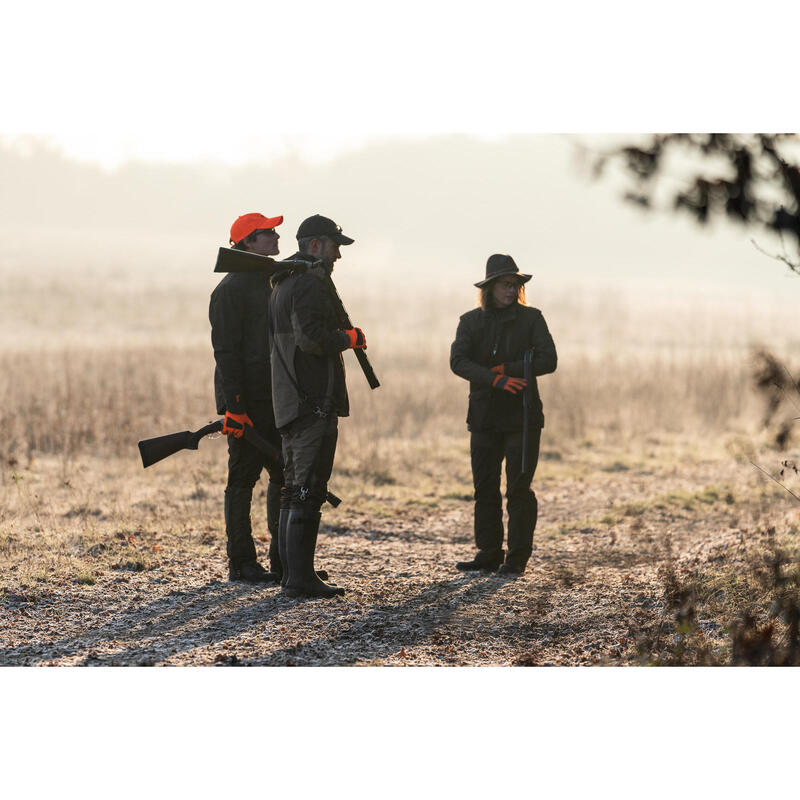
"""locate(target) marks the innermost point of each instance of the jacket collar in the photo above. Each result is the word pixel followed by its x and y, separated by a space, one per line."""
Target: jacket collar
pixel 503 314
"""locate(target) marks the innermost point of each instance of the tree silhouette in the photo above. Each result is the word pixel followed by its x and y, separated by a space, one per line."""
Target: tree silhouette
pixel 752 179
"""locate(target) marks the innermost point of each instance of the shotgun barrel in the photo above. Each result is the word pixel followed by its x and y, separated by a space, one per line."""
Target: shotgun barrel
pixel 344 321
pixel 526 407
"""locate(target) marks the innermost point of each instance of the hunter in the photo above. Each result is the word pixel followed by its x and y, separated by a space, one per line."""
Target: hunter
pixel 238 313
pixel 309 395
pixel 489 351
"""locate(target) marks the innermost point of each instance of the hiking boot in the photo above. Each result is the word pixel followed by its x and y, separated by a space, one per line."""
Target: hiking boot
pixel 511 570
pixel 301 542
pixel 251 572
pixel 485 560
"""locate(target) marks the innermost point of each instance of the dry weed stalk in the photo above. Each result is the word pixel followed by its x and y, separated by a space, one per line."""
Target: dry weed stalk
pixel 687 645
pixel 781 392
pixel 776 640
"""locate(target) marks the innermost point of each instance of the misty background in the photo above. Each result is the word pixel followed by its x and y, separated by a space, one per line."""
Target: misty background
pixel 92 243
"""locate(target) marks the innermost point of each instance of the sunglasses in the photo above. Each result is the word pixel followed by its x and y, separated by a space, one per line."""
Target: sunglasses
pixel 266 232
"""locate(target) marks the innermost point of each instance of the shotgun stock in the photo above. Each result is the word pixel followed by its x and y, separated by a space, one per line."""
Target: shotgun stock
pixel 161 447
pixel 230 260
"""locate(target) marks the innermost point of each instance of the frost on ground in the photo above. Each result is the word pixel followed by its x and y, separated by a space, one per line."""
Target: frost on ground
pixel 113 565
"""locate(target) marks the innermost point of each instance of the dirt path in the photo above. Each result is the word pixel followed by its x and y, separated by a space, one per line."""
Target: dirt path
pixel 594 587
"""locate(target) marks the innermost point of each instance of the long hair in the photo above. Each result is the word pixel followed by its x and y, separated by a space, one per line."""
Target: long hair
pixel 486 302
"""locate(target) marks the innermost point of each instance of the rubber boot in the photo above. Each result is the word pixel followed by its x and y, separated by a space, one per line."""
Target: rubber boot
pixel 273 525
pixel 301 542
pixel 277 564
pixel 282 542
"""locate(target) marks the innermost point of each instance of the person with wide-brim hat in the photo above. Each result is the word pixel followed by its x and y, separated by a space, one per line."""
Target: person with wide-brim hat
pixel 489 351
pixel 498 265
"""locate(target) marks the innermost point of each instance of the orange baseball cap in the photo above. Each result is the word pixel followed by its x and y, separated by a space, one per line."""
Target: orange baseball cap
pixel 248 223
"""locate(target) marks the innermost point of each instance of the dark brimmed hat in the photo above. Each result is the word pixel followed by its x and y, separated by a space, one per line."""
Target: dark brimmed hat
pixel 322 226
pixel 498 265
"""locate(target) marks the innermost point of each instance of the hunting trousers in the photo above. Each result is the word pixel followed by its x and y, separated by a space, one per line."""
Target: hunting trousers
pixel 309 448
pixel 245 463
pixel 487 451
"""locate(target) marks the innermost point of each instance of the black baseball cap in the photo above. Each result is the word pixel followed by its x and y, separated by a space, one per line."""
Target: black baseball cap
pixel 322 226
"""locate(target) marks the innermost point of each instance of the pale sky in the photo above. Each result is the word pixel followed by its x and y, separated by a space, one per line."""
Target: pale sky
pixel 263 83
pixel 244 81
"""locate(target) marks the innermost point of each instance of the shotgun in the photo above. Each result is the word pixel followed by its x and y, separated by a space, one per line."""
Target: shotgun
pixel 160 447
pixel 345 324
pixel 526 407
pixel 230 260
pixel 527 373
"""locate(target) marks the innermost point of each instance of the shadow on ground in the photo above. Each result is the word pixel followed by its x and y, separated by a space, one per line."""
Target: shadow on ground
pixel 203 617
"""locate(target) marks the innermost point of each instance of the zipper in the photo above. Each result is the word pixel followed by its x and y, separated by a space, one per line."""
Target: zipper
pixel 496 340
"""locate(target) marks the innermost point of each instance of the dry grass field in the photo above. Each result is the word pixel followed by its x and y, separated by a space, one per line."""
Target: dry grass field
pixel 658 541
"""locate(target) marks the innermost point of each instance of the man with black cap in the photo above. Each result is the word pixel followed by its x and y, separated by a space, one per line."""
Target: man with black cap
pixel 489 351
pixel 238 314
pixel 309 395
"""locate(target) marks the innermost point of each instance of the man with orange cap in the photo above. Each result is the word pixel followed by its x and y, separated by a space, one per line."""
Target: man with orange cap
pixel 238 313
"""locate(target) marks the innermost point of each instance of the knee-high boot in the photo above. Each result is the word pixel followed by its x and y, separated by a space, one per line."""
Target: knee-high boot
pixel 302 527
pixel 282 545
pixel 278 567
pixel 273 524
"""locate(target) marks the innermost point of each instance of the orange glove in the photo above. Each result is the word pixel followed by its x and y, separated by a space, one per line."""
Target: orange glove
pixel 233 424
pixel 500 369
pixel 357 339
pixel 510 384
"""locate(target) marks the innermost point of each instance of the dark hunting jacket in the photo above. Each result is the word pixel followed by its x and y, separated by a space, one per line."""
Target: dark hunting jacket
pixel 238 315
pixel 501 336
pixel 306 344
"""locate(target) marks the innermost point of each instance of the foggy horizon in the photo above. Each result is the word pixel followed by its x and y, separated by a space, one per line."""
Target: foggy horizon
pixel 432 208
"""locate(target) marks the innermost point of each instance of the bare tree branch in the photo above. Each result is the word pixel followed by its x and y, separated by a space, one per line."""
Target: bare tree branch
pixel 776 480
pixel 793 265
